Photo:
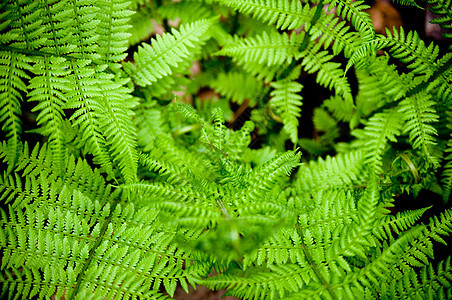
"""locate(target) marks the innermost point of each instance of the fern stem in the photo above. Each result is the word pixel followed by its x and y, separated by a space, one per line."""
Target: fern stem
pixel 314 267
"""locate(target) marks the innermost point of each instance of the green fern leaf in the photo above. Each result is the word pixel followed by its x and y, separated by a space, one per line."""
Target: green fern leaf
pixel 329 74
pixel 112 30
pixel 268 49
pixel 12 75
pixel 238 86
pixel 287 102
pixel 418 113
pixel 167 52
pixel 287 14
pixel 380 129
pixel 333 172
pixel 354 12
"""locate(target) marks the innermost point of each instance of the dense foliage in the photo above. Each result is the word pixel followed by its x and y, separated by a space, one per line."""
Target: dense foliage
pixel 113 187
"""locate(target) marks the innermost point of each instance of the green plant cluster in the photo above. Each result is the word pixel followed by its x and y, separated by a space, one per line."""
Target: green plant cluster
pixel 128 193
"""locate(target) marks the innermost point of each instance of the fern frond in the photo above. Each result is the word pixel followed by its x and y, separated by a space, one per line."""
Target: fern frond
pixel 112 30
pixel 428 283
pixel 398 223
pixel 267 48
pixel 419 251
pixel 342 110
pixel 381 128
pixel 333 172
pixel 262 72
pixel 354 12
pixel 25 26
pixel 187 11
pixel 287 14
pixel 48 88
pixel 117 126
pixel 264 177
pixel 443 9
pixel 272 283
pixel 329 30
pixel 446 179
pixel 238 86
pixel 166 52
pixel 418 113
pixel 287 102
pixel 410 49
pixel 85 98
pixel 441 81
pixel 408 2
pixel 92 240
pixel 12 75
pixel 382 265
pixel 329 74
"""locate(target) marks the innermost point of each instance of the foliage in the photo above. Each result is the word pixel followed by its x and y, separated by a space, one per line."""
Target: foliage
pixel 112 188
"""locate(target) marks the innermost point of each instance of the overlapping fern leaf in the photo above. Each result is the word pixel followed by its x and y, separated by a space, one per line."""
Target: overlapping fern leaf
pixel 232 203
pixel 68 59
pixel 69 237
pixel 447 173
pixel 334 250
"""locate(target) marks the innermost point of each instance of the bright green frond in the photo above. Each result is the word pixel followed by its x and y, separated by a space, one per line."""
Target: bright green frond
pixel 117 126
pixel 333 172
pixel 268 49
pixel 329 74
pixel 410 49
pixel 13 67
pixel 238 86
pixel 48 88
pixel 112 30
pixel 354 12
pixel 167 52
pixel 330 30
pixel 92 240
pixel 285 14
pixel 381 128
pixel 186 11
pixel 286 102
pixel 418 113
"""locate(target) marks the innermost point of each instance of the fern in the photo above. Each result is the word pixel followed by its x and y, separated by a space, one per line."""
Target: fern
pixel 418 113
pixel 167 53
pixel 444 10
pixel 273 49
pixel 285 13
pixel 287 102
pixel 129 173
pixel 381 128
pixel 238 86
